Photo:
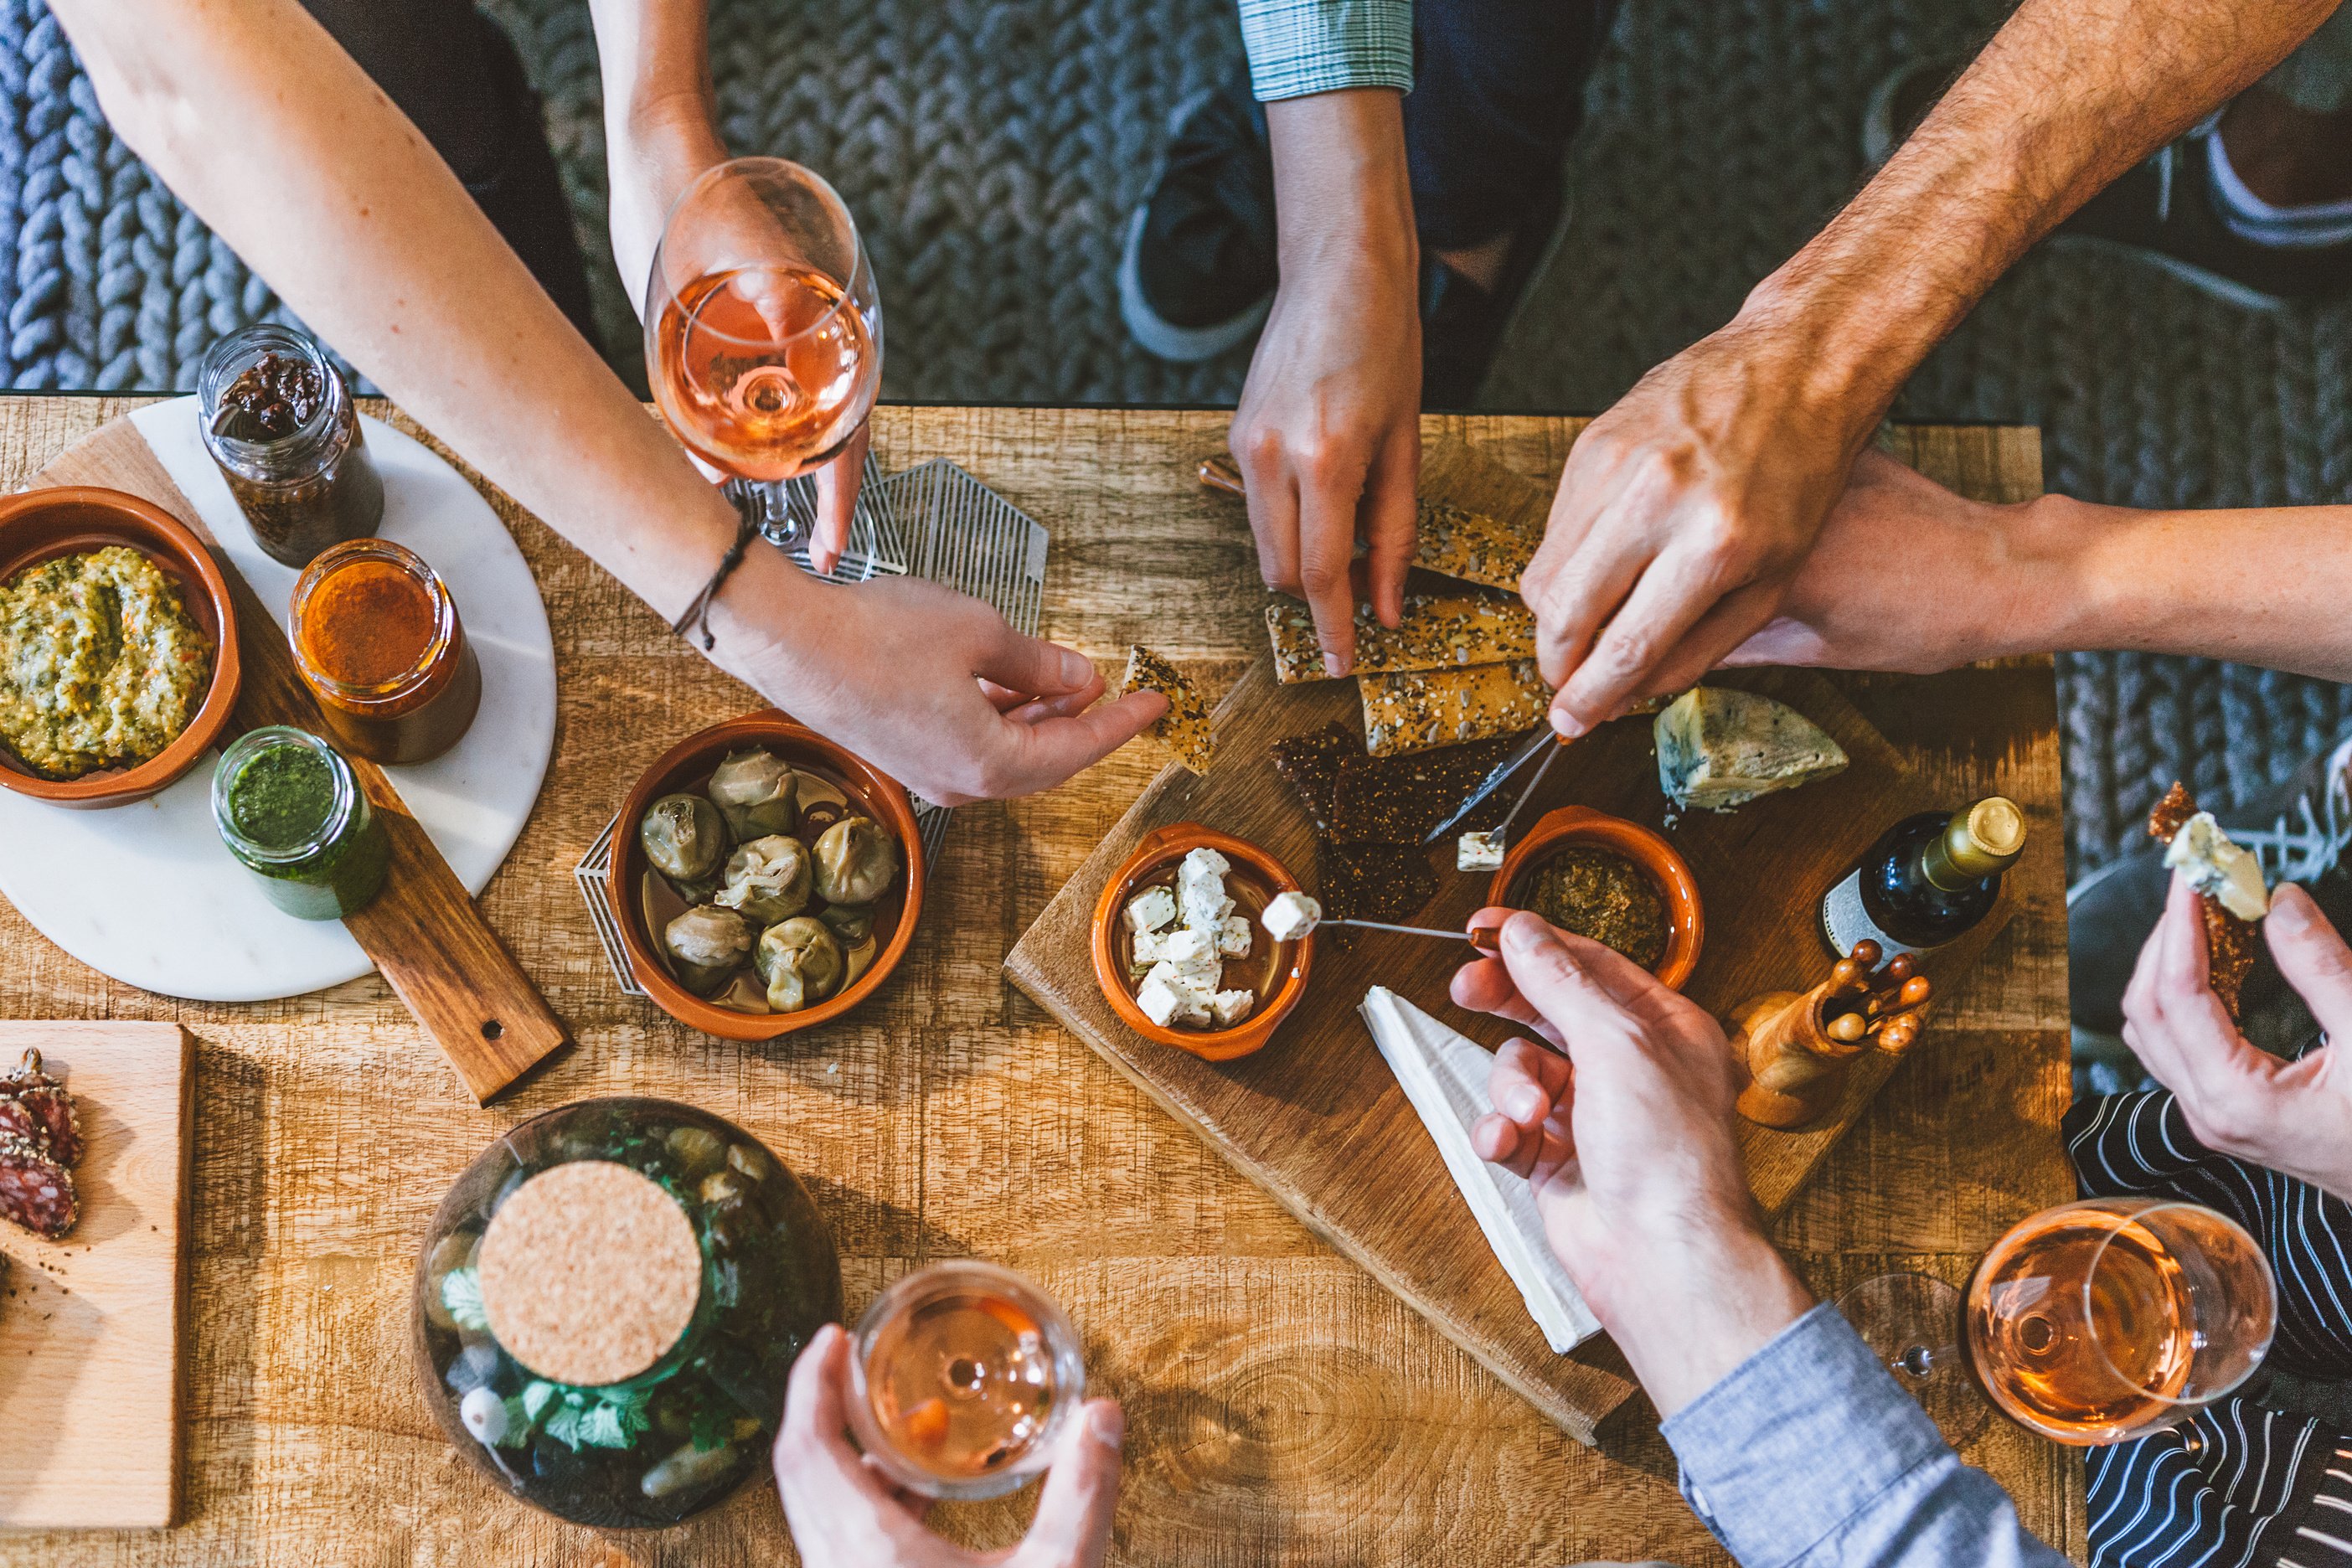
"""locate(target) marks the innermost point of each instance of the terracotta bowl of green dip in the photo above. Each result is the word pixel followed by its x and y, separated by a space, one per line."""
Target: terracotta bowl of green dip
pixel 1578 828
pixel 39 526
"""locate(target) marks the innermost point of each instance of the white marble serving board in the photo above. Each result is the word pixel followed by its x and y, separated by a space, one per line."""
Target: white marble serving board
pixel 147 893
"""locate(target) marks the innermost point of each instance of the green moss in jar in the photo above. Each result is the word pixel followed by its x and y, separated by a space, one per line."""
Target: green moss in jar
pixel 1605 897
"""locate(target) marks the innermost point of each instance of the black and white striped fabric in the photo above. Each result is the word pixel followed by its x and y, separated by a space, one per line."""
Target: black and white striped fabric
pixel 2242 1486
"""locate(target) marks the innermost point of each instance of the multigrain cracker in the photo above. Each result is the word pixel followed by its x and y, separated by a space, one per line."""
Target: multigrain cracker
pixel 1310 764
pixel 1419 710
pixel 2229 941
pixel 1479 522
pixel 1438 631
pixel 1184 728
pixel 1398 800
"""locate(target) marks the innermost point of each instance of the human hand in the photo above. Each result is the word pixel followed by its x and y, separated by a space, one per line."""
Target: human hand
pixel 1329 431
pixel 1628 1143
pixel 928 685
pixel 2292 1117
pixel 845 1514
pixel 1682 513
pixel 1860 600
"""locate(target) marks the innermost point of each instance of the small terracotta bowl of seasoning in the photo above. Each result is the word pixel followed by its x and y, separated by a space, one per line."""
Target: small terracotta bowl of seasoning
pixel 1275 971
pixel 1581 827
pixel 41 525
pixel 686 768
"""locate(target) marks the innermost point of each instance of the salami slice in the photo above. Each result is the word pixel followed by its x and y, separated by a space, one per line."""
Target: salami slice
pixel 17 1119
pixel 50 1108
pixel 35 1192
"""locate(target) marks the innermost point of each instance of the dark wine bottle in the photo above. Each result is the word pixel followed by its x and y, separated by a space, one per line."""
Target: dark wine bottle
pixel 1928 878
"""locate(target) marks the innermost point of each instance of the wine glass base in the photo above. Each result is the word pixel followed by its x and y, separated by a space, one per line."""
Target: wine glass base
pixel 1912 1323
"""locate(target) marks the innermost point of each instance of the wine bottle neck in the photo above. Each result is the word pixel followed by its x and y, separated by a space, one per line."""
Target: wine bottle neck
pixel 1984 840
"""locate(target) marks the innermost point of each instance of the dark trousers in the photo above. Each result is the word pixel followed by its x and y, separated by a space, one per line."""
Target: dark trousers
pixel 2241 1482
pixel 1499 90
pixel 453 72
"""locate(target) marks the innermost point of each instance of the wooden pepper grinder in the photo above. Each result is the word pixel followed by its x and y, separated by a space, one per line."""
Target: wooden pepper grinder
pixel 1797 1046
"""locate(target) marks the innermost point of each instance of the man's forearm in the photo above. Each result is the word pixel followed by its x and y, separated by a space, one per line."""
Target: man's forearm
pixel 1340 177
pixel 2068 96
pixel 335 198
pixel 2265 587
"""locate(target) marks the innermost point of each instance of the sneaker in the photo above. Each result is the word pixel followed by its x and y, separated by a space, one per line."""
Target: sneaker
pixel 2300 828
pixel 1463 325
pixel 1197 273
pixel 1901 99
pixel 2164 211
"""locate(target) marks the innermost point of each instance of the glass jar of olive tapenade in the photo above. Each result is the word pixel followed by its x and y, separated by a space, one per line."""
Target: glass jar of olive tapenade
pixel 280 422
pixel 292 812
pixel 377 638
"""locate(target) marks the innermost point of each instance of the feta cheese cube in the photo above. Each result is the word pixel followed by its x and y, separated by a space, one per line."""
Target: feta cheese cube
pixel 1234 937
pixel 1159 1001
pixel 1151 946
pixel 1230 1007
pixel 1477 852
pixel 1150 909
pixel 1290 916
pixel 1187 949
pixel 1190 992
pixel 1200 889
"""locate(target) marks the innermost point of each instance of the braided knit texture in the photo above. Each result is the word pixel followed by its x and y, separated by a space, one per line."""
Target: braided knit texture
pixel 992 149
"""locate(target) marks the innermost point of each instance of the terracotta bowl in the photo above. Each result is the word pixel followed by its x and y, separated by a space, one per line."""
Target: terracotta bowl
pixel 1580 825
pixel 688 766
pixel 1255 878
pixel 39 525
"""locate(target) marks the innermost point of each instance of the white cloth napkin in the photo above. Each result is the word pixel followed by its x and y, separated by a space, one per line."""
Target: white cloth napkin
pixel 1443 1074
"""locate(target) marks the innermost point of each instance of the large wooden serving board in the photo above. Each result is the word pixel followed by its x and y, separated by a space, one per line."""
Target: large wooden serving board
pixel 1316 1117
pixel 90 1326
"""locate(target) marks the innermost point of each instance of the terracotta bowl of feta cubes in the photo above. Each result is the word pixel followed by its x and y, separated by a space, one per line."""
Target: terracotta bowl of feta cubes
pixel 1572 824
pixel 1180 953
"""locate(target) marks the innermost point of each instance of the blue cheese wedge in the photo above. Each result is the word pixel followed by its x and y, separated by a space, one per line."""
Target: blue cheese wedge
pixel 2221 870
pixel 1719 747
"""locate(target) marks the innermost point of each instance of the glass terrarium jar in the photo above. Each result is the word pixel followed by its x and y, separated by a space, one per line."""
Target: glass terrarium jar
pixel 608 1306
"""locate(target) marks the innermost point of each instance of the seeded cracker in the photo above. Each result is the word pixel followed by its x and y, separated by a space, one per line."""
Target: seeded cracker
pixel 1439 631
pixel 1184 728
pixel 1375 882
pixel 1479 522
pixel 1397 800
pixel 2229 940
pixel 1415 711
pixel 1310 764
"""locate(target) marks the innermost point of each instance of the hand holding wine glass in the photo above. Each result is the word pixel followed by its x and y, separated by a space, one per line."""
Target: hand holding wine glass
pixel 763 337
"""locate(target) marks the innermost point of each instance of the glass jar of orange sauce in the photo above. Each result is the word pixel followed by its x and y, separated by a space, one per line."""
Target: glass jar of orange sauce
pixel 377 639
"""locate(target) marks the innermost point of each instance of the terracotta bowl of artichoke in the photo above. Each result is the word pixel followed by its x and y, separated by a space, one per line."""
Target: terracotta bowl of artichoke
pixel 764 879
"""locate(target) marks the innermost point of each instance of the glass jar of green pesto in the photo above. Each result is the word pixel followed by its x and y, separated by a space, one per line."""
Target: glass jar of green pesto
pixel 291 811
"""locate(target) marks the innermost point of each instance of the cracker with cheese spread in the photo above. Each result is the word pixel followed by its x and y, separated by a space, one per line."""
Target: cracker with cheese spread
pixel 1437 631
pixel 1184 728
pixel 2219 870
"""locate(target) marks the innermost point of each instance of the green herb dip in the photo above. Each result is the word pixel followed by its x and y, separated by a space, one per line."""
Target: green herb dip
pixel 99 664
pixel 276 800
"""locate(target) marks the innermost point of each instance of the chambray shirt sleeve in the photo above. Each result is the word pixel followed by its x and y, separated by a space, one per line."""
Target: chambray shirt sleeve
pixel 1809 1454
pixel 1301 47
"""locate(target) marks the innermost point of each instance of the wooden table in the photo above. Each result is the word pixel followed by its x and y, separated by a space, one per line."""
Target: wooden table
pixel 1282 1406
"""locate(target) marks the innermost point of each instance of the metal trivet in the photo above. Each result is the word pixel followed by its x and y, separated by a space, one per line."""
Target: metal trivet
pixel 952 530
pixel 877 547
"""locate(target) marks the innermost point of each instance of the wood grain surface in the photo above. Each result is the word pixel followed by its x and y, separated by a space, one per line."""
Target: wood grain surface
pixel 423 930
pixel 89 1324
pixel 1316 1117
pixel 1284 1407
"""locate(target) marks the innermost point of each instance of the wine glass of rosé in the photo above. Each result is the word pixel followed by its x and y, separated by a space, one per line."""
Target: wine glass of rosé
pixel 763 331
pixel 2091 1323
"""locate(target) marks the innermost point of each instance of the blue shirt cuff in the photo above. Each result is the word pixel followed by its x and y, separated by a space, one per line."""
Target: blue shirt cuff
pixel 1301 47
pixel 1797 1440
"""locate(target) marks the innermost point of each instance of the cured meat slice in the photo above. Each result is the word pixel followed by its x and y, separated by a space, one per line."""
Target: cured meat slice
pixel 44 1100
pixel 35 1192
pixel 15 1119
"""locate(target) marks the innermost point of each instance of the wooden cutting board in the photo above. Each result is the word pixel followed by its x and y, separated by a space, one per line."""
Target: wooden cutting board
pixel 423 931
pixel 1317 1119
pixel 90 1326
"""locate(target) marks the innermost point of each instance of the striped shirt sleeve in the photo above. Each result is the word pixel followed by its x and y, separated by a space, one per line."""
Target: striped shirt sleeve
pixel 1301 47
